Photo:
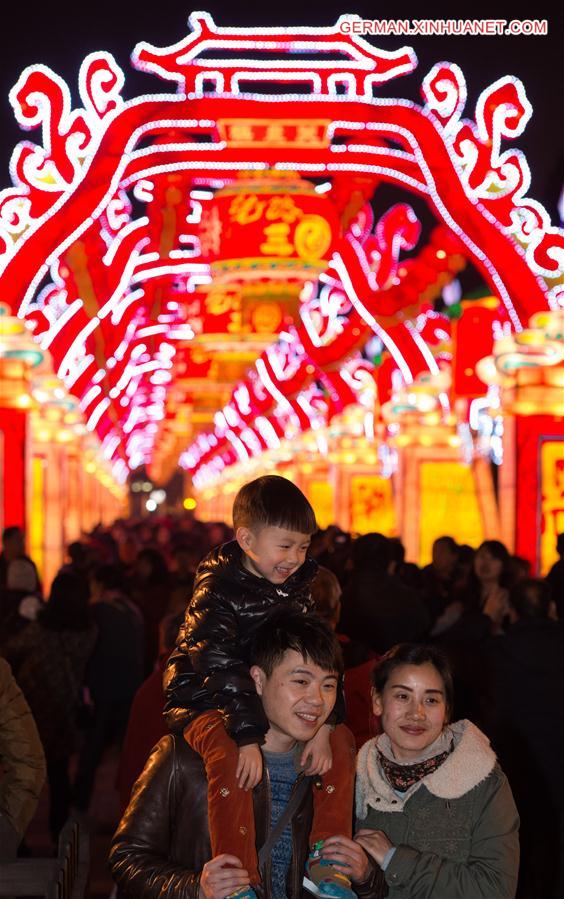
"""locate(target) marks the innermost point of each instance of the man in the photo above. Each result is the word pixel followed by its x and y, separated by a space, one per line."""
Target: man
pixel 13 547
pixel 438 580
pixel 378 609
pixel 555 577
pixel 162 842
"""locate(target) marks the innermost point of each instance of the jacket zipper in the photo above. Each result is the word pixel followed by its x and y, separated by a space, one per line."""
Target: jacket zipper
pixel 297 874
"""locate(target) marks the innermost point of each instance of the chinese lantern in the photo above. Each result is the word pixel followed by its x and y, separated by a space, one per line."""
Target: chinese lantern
pixel 267 235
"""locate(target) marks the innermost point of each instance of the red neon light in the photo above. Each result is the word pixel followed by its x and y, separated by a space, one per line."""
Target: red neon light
pixel 112 317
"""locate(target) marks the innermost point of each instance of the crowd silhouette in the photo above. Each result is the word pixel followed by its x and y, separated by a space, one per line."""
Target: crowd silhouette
pixel 88 657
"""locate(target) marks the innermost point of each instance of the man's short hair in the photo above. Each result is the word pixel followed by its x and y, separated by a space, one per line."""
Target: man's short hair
pixel 10 532
pixel 447 542
pixel 531 598
pixel 273 501
pixel 305 634
pixel 397 550
pixel 371 551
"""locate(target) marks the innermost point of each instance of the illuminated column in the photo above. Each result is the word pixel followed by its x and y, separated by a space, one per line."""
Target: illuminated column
pixel 73 497
pixel 362 489
pixel 53 503
pixel 532 473
pixel 18 355
pixel 435 485
pixel 66 468
pixel 317 486
pixel 529 368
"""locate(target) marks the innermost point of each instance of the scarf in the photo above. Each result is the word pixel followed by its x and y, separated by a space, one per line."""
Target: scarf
pixel 402 777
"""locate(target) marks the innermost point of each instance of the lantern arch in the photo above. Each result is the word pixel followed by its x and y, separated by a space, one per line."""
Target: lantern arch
pixel 112 314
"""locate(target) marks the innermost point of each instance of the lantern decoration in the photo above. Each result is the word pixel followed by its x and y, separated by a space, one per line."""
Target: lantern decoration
pixel 415 414
pixel 228 231
pixel 473 336
pixel 270 234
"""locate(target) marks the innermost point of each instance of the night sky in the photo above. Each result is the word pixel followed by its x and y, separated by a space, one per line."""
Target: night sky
pixel 60 34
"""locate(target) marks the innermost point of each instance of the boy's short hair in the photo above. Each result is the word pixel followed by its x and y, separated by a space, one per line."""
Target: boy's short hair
pixel 304 633
pixel 273 501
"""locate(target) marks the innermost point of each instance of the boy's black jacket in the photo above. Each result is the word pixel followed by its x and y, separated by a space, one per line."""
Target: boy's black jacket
pixel 209 669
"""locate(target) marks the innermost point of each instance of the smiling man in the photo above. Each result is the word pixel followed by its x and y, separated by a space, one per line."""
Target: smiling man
pixel 162 843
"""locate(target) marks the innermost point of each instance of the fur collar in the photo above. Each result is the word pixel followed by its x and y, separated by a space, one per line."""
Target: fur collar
pixel 471 761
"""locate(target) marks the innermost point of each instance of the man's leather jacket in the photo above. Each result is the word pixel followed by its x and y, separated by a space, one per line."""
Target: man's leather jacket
pixel 162 841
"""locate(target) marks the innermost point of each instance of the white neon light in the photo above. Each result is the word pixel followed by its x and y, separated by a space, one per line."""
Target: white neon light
pixel 122 305
pixel 97 413
pixel 124 232
pixel 269 384
pixel 238 445
pixel 394 351
pixel 89 396
pixel 144 191
pixel 61 322
pixel 267 432
pixel 109 446
pixel 445 95
pixel 116 298
pixel 76 346
pixel 150 330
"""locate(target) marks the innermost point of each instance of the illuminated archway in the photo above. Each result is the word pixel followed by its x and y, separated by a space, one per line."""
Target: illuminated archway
pixel 101 234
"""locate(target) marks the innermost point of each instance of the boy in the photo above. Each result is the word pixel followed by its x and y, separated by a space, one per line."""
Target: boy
pixel 209 687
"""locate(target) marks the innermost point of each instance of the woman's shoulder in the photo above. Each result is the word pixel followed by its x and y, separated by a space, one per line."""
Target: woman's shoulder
pixel 471 761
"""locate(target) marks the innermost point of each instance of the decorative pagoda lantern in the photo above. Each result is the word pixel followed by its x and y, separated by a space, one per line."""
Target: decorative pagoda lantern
pixel 265 235
pixel 529 369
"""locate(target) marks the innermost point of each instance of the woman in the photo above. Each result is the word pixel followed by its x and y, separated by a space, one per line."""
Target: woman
pixel 433 807
pixel 479 611
pixel 113 674
pixel 481 606
pixel 150 590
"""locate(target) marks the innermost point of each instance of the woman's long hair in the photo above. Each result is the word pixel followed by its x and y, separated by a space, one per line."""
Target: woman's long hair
pixel 67 608
pixel 472 595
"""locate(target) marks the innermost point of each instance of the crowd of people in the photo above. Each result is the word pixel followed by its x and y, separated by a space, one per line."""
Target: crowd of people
pixel 89 659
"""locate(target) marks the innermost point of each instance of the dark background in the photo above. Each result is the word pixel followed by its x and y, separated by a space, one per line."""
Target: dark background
pixel 60 34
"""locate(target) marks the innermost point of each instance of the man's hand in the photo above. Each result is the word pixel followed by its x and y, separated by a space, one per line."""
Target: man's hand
pixel 222 876
pixel 347 856
pixel 317 752
pixel 249 766
pixel 375 842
